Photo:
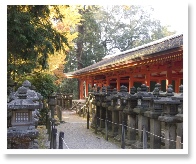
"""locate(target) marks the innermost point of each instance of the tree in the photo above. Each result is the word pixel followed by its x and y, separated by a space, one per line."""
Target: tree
pixel 126 27
pixel 65 25
pixel 31 38
pixel 44 83
pixel 87 49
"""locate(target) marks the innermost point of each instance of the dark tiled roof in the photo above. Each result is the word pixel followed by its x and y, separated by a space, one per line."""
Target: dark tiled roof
pixel 152 48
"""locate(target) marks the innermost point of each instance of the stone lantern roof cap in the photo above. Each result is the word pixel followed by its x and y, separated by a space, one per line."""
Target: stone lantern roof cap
pixel 26 83
pixel 22 102
pixel 31 94
pixel 123 94
pixel 143 92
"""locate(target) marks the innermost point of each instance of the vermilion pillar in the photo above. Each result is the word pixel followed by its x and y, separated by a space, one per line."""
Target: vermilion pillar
pixel 177 84
pixel 81 89
pixel 107 81
pixel 86 87
pixel 92 82
pixel 147 79
pixel 169 76
pixel 118 83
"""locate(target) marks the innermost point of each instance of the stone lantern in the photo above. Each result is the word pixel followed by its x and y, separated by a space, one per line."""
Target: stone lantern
pixel 102 110
pixel 179 117
pixel 154 111
pixel 32 95
pixel 108 114
pixel 131 117
pixel 66 101
pixel 52 103
pixel 143 102
pixel 70 98
pixel 96 102
pixel 120 102
pixel 58 99
pixel 170 109
pixel 22 132
pixel 112 114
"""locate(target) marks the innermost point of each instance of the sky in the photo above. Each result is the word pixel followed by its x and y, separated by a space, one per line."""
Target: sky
pixel 175 16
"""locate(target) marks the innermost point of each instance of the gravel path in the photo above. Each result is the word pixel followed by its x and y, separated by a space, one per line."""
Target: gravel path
pixel 77 136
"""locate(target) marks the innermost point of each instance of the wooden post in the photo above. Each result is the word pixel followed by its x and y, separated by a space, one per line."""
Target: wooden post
pixel 80 110
pixel 51 135
pixel 61 137
pixel 60 114
pixel 96 122
pixel 54 132
pixel 49 130
pixel 88 117
pixel 47 120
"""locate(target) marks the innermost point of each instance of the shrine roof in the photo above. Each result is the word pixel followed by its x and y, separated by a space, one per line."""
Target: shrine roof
pixel 141 52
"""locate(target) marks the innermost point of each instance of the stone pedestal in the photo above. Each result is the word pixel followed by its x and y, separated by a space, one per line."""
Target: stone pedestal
pixel 170 135
pixel 98 116
pixel 120 119
pixel 102 118
pixel 109 123
pixel 131 117
pixel 155 130
pixel 153 113
pixel 131 131
pixel 142 121
pixel 115 122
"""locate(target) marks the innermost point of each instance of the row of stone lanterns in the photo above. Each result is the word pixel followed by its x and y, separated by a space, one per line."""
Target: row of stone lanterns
pixel 64 100
pixel 152 111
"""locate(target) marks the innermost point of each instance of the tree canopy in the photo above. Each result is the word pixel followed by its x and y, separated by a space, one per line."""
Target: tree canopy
pixel 31 37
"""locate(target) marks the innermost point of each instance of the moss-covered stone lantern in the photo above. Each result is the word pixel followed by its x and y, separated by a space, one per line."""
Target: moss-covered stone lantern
pixel 22 132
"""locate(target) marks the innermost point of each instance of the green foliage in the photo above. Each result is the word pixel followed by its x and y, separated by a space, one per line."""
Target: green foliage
pixel 44 83
pixel 69 86
pixel 42 113
pixel 30 38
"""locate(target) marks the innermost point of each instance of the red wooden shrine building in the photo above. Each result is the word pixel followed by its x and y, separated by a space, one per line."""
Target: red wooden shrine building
pixel 160 61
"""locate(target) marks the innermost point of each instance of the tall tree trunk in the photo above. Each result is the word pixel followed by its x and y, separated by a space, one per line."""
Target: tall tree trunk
pixel 79 50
